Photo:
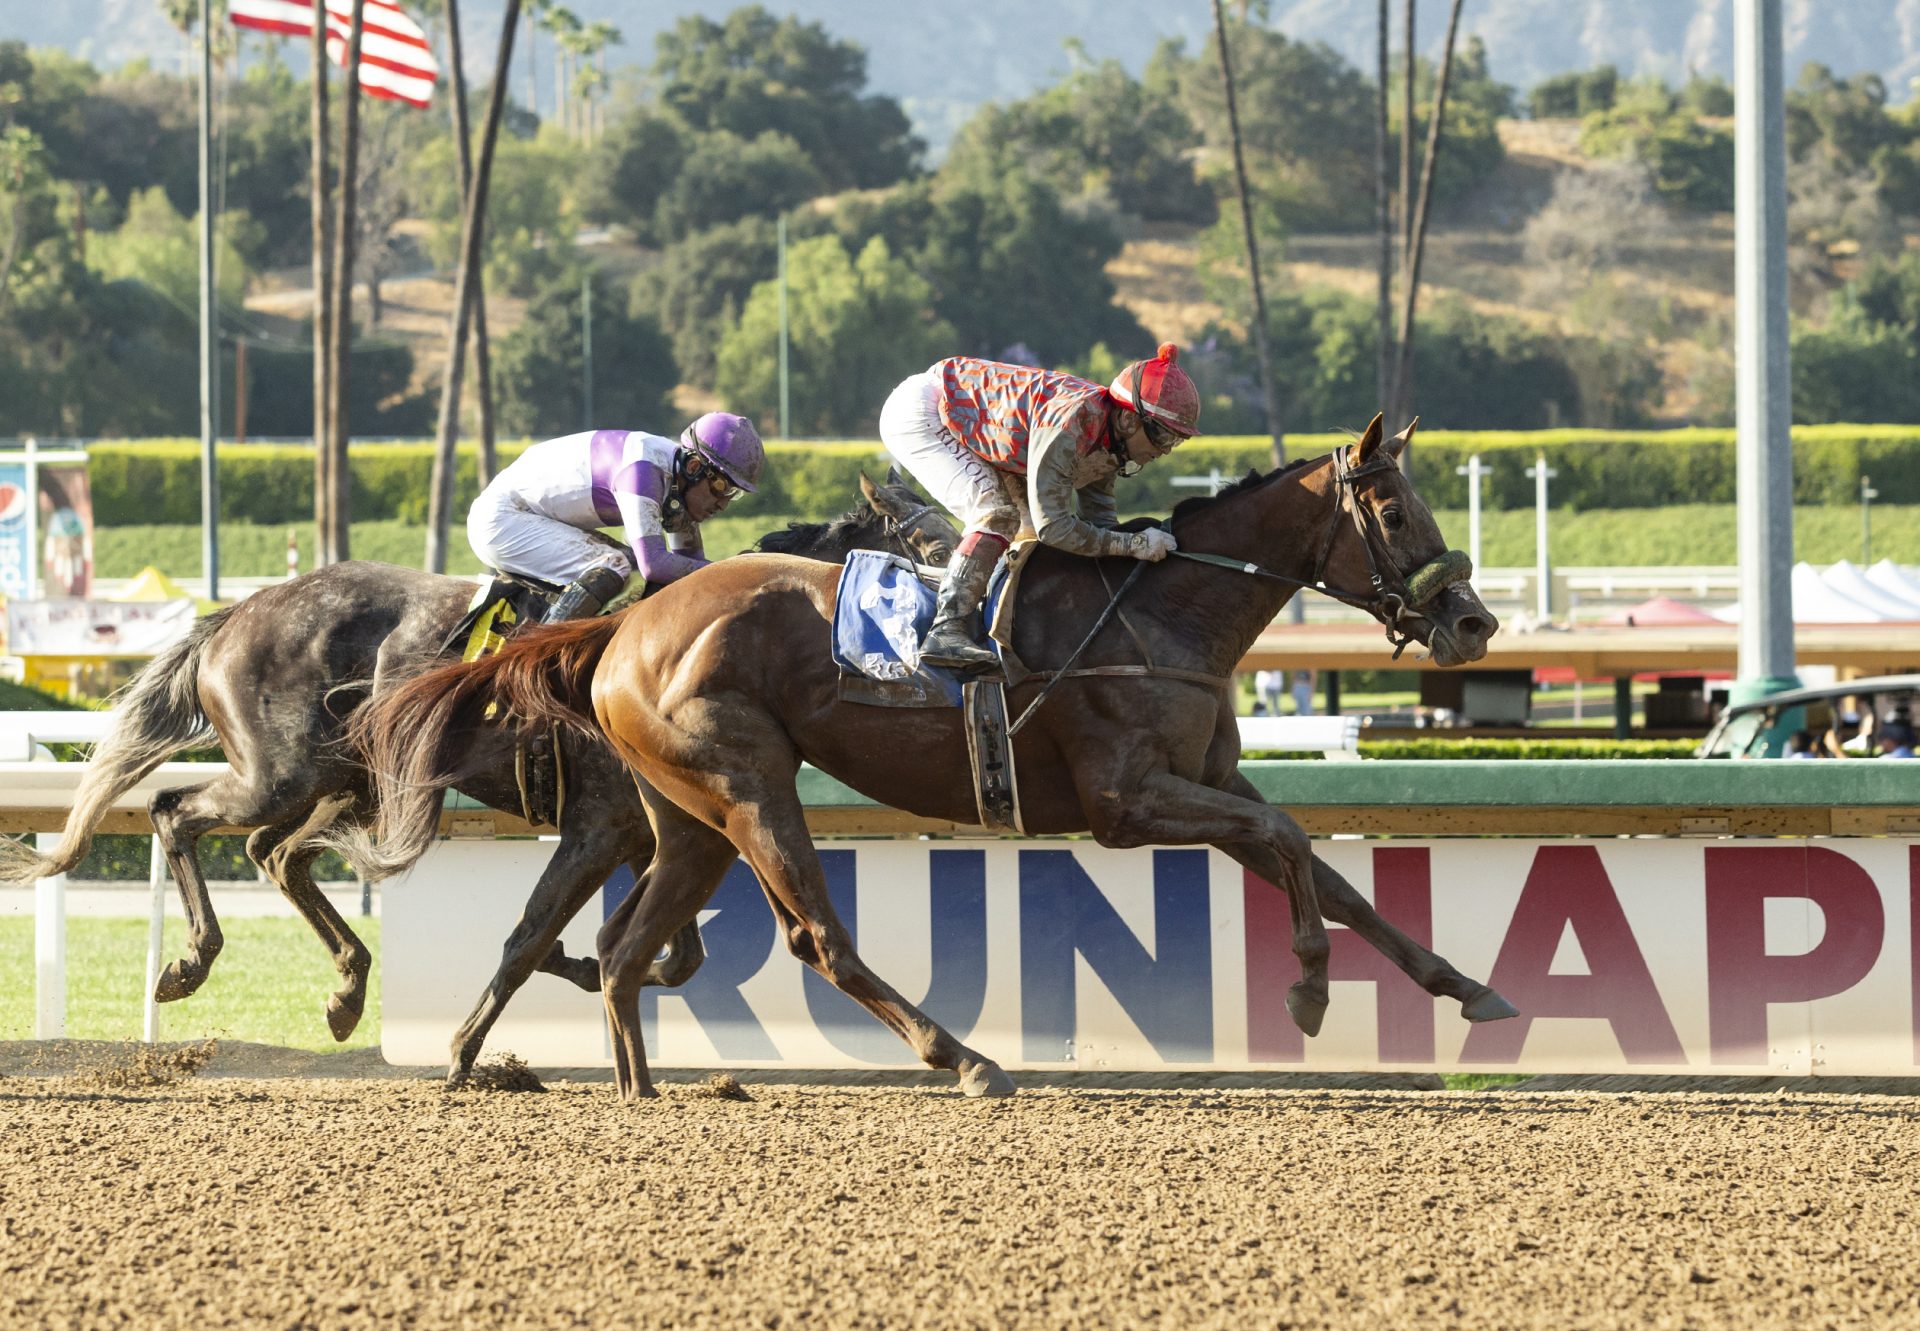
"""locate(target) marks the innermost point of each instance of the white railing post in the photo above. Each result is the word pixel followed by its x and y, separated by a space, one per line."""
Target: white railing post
pixel 156 925
pixel 49 949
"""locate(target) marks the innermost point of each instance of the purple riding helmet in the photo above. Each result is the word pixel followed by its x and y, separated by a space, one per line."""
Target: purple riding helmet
pixel 729 443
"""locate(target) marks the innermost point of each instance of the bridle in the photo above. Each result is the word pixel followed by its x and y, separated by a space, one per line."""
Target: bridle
pixel 1392 600
pixel 902 532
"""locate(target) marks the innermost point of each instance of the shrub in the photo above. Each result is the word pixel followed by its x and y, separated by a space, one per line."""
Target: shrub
pixel 158 481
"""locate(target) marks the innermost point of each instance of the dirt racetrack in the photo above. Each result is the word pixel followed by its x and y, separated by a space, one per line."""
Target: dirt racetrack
pixel 324 1203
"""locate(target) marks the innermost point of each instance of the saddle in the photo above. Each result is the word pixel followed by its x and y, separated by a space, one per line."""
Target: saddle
pixel 882 611
pixel 502 604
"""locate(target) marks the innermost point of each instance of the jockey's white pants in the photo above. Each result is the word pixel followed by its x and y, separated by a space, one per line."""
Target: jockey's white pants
pixel 983 498
pixel 514 539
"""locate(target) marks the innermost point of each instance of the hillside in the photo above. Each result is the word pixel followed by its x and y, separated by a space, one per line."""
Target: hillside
pixel 1000 49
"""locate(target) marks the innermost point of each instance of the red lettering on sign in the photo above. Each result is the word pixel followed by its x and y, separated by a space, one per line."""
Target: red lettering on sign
pixel 1742 977
pixel 1567 888
pixel 1402 893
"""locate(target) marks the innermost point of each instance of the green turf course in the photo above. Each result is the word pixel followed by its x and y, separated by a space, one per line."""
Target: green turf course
pixel 270 984
pixel 1682 534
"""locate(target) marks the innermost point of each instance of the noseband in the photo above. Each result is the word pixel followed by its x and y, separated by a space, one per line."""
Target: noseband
pixel 1393 599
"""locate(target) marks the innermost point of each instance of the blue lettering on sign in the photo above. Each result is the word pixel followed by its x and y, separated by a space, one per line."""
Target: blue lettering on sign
pixel 1168 995
pixel 739 939
pixel 957 937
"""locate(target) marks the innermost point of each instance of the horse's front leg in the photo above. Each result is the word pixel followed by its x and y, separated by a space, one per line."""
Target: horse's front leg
pixel 1343 905
pixel 1163 809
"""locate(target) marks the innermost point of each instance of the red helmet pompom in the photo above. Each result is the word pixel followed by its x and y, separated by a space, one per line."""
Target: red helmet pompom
pixel 1168 352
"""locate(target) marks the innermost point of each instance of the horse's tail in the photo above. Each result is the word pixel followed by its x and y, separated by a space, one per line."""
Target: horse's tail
pixel 155 717
pixel 416 736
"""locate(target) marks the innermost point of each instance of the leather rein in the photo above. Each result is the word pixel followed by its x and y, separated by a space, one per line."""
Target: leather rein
pixel 1392 599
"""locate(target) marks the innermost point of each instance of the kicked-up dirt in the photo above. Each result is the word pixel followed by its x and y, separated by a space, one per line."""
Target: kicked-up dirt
pixel 224 1202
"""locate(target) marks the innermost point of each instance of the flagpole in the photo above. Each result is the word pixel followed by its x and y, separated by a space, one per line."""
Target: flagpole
pixel 209 479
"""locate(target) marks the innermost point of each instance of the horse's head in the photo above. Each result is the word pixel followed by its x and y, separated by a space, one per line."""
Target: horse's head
pixel 1384 538
pixel 911 520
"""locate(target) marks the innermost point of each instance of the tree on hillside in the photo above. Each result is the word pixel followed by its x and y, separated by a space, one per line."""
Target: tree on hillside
pixel 858 327
pixel 725 178
pixel 540 368
pixel 1691 160
pixel 698 287
pixel 1574 95
pixel 632 167
pixel 754 73
pixel 1097 130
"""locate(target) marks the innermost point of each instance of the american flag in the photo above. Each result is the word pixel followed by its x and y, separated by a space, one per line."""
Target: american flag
pixel 395 60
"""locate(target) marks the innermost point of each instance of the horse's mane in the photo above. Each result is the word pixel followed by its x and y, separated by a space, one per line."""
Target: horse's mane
pixel 1251 481
pixel 803 536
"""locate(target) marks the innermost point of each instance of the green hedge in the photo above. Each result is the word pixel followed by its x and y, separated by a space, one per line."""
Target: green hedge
pixel 1527 748
pixel 158 481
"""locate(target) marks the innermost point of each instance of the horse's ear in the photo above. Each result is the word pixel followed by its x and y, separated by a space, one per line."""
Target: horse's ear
pixel 894 477
pixel 1370 441
pixel 1398 444
pixel 883 501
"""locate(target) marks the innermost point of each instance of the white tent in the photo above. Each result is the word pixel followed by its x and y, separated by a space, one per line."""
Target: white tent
pixel 1903 581
pixel 1852 582
pixel 1814 602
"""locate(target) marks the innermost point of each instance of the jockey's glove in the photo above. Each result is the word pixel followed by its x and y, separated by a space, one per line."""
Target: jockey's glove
pixel 1154 544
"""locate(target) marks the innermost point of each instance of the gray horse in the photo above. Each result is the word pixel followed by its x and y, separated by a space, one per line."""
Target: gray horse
pixel 273 680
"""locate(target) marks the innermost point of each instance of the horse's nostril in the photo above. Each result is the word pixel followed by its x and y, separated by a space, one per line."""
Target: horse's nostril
pixel 1471 626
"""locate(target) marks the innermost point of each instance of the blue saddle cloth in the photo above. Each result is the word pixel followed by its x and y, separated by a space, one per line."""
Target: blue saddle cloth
pixel 882 613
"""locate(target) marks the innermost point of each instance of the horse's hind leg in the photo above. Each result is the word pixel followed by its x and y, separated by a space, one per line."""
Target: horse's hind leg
pixel 283 853
pixel 578 869
pixel 182 816
pixel 772 833
pixel 689 861
pixel 1343 905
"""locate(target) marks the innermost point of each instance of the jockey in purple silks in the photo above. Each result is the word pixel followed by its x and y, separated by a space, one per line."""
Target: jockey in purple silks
pixel 540 516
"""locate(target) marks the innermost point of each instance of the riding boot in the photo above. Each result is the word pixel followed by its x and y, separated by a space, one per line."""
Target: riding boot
pixel 954 639
pixel 586 594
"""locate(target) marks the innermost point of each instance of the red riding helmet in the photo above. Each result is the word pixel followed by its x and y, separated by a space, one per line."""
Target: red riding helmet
pixel 1161 389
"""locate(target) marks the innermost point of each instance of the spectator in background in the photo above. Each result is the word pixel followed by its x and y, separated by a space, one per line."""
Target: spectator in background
pixel 1269 686
pixel 1303 693
pixel 1896 740
pixel 1801 744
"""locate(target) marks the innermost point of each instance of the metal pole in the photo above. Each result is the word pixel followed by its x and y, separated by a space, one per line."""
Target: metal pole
pixel 209 480
pixel 1867 495
pixel 586 347
pixel 780 230
pixel 1764 447
pixel 33 521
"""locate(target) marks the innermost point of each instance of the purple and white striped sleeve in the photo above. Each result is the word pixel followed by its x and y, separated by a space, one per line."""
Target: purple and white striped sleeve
pixel 638 489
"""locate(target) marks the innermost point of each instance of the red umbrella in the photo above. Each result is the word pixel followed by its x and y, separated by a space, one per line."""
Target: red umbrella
pixel 1660 612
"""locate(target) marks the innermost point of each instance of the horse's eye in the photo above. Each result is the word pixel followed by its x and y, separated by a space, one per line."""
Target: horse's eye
pixel 1393 519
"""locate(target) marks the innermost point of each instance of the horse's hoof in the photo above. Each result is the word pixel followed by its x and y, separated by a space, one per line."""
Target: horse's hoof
pixel 585 974
pixel 342 1016
pixel 986 1081
pixel 457 1077
pixel 178 980
pixel 1307 1012
pixel 633 1095
pixel 1488 1006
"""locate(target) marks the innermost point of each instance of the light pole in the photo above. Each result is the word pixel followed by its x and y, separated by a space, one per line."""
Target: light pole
pixel 781 232
pixel 1541 474
pixel 1473 471
pixel 1867 495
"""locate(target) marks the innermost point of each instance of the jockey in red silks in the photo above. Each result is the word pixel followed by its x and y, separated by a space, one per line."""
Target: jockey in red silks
pixel 539 517
pixel 1007 446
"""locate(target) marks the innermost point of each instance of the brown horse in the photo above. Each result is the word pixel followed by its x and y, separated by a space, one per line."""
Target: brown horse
pixel 715 691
